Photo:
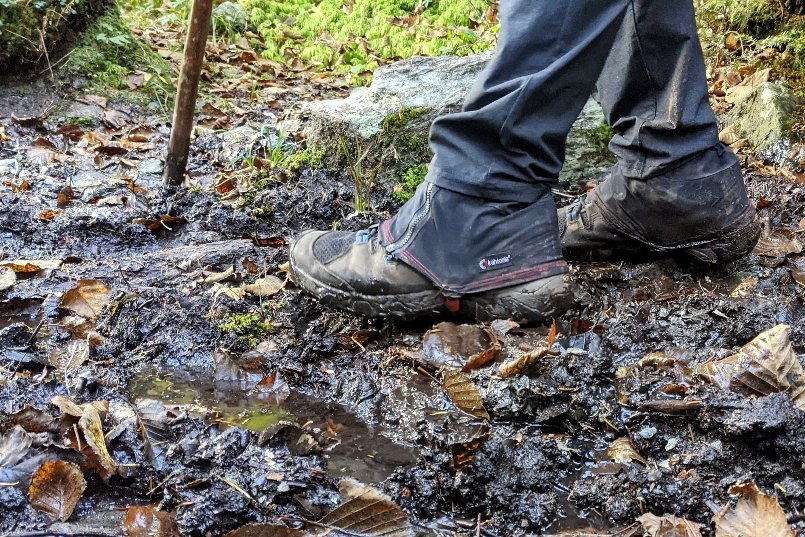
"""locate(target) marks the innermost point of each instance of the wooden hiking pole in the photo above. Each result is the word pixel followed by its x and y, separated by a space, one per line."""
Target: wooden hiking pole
pixel 187 92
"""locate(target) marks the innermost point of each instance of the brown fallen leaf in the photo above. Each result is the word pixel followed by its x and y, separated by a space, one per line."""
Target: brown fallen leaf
pixel 464 393
pixel 741 91
pixel 777 243
pixel 146 521
pixel 65 196
pixel 271 242
pixel 56 488
pixel 754 515
pixel 798 271
pixel 524 362
pixel 264 287
pixel 368 512
pixel 622 450
pixel 765 365
pixel 47 215
pixel 669 526
pixel 462 347
pixel 29 267
pixel 265 530
pixel 671 406
pixel 98 455
pixel 87 299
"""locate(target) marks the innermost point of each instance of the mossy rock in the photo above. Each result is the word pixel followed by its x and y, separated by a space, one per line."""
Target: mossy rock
pixel 60 21
pixel 389 121
pixel 766 117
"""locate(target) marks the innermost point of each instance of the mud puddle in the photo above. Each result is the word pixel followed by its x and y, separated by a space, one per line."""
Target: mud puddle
pixel 353 448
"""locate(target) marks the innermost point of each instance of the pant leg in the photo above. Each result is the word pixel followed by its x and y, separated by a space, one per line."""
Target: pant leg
pixel 653 89
pixel 484 218
pixel 508 142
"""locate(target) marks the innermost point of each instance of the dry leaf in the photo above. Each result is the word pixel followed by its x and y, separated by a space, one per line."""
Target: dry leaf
pixel 264 287
pixel 87 298
pixel 7 278
pixel 32 266
pixel 90 425
pixel 524 363
pixel 621 450
pixel 669 526
pixel 765 365
pixel 67 406
pixel 75 353
pixel 501 327
pixel 65 196
pixel 738 93
pixel 464 394
pixel 462 347
pixel 368 512
pixel 729 135
pixel 145 521
pixel 48 215
pixel 56 488
pixel 754 515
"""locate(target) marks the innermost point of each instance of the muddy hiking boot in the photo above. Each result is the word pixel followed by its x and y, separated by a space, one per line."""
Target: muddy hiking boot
pixel 489 275
pixel 699 213
pixel 353 271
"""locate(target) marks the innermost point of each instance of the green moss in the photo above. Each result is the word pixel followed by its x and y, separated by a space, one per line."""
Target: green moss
pixel 108 53
pixel 599 136
pixel 411 179
pixel 757 17
pixel 403 118
pixel 325 35
pixel 249 327
pixel 311 157
pixel 22 21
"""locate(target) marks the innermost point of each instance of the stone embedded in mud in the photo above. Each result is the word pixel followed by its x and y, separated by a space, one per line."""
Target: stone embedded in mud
pixel 390 119
pixel 766 116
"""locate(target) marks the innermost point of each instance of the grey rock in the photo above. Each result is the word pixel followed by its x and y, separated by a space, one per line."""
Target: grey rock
pixel 765 118
pixel 233 15
pixel 84 112
pixel 390 119
pixel 647 432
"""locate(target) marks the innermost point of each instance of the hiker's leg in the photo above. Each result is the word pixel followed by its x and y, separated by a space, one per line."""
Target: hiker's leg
pixel 484 218
pixel 675 187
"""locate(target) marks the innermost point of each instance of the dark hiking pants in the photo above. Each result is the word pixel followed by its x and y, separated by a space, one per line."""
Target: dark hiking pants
pixel 484 218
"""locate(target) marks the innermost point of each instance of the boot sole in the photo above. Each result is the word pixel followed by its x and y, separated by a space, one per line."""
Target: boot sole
pixel 535 301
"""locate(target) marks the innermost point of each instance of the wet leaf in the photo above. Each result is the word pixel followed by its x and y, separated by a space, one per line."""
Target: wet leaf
pixel 622 450
pixel 777 243
pixel 90 425
pixel 754 515
pixel 155 428
pixel 274 385
pixel 765 365
pixel 47 215
pixel 75 353
pixel 265 530
pixel 65 196
pixel 56 488
pixel 145 521
pixel 270 242
pixel 798 271
pixel 368 512
pixel 464 393
pixel 87 298
pixel 669 526
pixel 7 278
pixel 525 362
pixel 264 287
pixel 28 267
pixel 501 327
pixel 14 446
pixel 461 347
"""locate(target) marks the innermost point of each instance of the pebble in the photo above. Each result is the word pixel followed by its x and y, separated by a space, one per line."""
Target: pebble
pixel 647 432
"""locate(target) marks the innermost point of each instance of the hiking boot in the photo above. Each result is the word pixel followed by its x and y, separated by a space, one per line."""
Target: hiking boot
pixel 699 212
pixel 353 271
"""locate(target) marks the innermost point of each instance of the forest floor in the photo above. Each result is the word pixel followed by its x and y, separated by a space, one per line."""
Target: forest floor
pixel 225 397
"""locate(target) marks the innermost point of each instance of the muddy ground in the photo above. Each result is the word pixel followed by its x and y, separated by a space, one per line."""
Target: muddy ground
pixel 362 405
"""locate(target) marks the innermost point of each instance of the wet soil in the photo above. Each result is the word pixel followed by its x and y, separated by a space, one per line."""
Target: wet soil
pixel 355 401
